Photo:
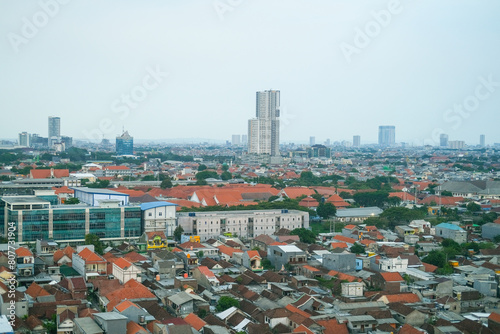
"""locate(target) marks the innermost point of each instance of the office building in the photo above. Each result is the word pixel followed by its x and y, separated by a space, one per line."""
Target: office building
pixel 54 130
pixel 328 142
pixel 236 140
pixel 125 144
pixel 244 140
pixel 482 140
pixel 456 144
pixel 312 140
pixel 319 151
pixel 356 141
pixel 37 218
pixel 443 140
pixel 263 131
pixel 244 223
pixel 24 139
pixel 386 135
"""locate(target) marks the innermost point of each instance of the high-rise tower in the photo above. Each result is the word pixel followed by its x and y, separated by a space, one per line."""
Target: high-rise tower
pixel 264 130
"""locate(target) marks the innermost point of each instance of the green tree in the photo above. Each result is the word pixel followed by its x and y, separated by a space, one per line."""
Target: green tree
pixel 72 200
pixel 305 235
pixel 226 176
pixel 93 239
pixel 202 313
pixel 206 174
pixel 225 167
pixel 345 195
pixel 226 302
pixel 473 207
pixel 357 249
pixel 201 167
pixel 266 264
pixel 166 183
pixel 99 184
pixel 375 198
pixel 326 210
pixel 201 182
pixel 446 193
pixel 497 238
pixel 178 232
pixel 435 257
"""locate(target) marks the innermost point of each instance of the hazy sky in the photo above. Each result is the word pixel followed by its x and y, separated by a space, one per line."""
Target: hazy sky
pixel 190 69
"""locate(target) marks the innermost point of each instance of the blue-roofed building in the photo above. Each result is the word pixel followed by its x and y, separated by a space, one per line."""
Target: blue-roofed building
pixel 451 231
pixel 159 217
pixel 94 196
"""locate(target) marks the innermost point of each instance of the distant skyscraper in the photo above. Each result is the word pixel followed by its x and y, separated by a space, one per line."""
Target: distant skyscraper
pixel 236 140
pixel 263 131
pixel 54 130
pixel 386 135
pixel 482 140
pixel 312 140
pixel 356 141
pixel 125 144
pixel 456 144
pixel 24 139
pixel 244 140
pixel 327 142
pixel 443 140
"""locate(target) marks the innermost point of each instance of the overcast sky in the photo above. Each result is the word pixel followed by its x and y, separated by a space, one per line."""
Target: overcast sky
pixel 190 69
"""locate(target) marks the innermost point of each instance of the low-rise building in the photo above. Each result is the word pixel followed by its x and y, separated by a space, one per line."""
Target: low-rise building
pixel 451 231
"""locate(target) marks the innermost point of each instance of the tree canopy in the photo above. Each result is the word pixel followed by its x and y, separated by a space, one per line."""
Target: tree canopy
pixel 226 302
pixel 305 235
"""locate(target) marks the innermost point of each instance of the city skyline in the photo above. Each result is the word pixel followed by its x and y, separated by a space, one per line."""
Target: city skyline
pixel 190 59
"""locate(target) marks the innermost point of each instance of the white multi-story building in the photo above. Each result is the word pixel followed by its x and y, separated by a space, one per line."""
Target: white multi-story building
pixel 244 223
pixel 263 131
pixel 393 264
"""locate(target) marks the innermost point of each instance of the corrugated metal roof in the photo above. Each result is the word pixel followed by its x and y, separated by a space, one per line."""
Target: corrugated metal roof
pixel 151 205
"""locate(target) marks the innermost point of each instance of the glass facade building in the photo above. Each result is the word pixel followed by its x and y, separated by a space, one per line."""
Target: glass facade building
pixel 37 219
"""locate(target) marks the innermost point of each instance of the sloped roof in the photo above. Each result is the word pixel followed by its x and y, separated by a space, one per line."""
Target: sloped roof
pixel 392 277
pixel 23 252
pixel 89 256
pixel 194 321
pixel 122 263
pixel 35 291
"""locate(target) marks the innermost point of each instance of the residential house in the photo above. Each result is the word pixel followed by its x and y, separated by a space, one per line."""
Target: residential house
pixel 344 262
pixel 451 231
pixel 87 263
pixel 205 277
pixel 290 254
pixel 407 315
pixel 252 260
pixel 183 303
pixel 388 281
pixel 124 271
pixel 25 262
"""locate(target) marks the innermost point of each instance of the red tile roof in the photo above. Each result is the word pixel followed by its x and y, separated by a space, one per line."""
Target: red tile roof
pixel 338 245
pixel 344 239
pixel 89 256
pixel 343 276
pixel 392 277
pixel 125 305
pixel 294 192
pixel 135 328
pixel 134 257
pixel 229 250
pixel 402 298
pixel 495 317
pixel 205 271
pixel 333 327
pixel 188 245
pixel 48 173
pixel 36 291
pixel 122 263
pixel 23 252
pixel 429 268
pixel 253 253
pixel 294 309
pixel 194 321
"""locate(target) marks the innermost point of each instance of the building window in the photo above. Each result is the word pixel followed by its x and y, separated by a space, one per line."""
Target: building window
pixel 160 214
pixel 150 214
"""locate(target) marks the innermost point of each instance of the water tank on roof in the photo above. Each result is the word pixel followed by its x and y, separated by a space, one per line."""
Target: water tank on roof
pixel 284 211
pixel 192 214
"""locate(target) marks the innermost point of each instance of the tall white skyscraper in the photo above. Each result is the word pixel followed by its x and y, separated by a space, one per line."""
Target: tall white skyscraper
pixel 443 140
pixel 386 135
pixel 54 130
pixel 312 140
pixel 482 140
pixel 264 130
pixel 24 139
